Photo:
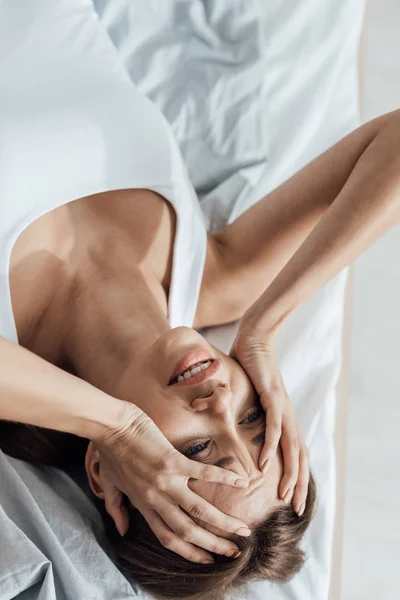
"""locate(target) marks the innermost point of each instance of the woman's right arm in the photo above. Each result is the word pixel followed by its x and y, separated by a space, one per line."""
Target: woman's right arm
pixel 135 457
pixel 35 392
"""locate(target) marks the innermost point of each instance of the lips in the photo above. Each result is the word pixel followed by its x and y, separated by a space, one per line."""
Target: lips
pixel 201 376
pixel 188 361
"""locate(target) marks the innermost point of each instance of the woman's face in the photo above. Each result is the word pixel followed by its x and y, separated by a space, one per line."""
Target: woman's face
pixel 210 414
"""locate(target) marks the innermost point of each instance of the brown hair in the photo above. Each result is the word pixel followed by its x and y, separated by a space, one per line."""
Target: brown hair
pixel 272 552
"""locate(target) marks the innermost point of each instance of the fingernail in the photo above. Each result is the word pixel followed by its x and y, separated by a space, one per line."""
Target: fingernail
pixel 243 531
pixel 242 483
pixel 301 510
pixel 233 553
pixel 286 497
pixel 266 465
pixel 207 562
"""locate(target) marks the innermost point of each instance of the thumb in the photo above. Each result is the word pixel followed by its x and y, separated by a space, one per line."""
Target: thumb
pixel 114 503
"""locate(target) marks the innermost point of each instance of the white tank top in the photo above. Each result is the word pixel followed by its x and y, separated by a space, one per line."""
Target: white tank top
pixel 73 124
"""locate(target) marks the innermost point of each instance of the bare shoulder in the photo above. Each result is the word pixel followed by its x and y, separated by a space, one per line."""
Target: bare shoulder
pixel 145 221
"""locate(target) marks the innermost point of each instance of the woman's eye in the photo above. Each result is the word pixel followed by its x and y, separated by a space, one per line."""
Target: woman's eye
pixel 197 449
pixel 255 415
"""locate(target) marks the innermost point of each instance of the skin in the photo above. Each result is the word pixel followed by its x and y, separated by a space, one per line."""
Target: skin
pixel 132 355
pixel 99 262
pixel 223 411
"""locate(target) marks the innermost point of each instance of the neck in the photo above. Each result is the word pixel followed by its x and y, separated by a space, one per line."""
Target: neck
pixel 116 319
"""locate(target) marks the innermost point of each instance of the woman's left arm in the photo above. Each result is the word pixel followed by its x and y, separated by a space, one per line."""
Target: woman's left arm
pixel 366 207
pixel 353 185
pixel 341 203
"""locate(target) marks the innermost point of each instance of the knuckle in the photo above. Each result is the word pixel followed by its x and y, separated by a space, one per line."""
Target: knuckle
pixel 197 511
pixel 304 451
pixel 271 400
pixel 185 533
pixel 295 443
pixel 301 489
pixel 163 465
pixel 292 441
pixel 167 464
pixel 149 496
pixel 290 478
pixel 275 425
pixel 291 474
pixel 160 482
pixel 166 540
pixel 196 558
pixel 206 474
pixel 274 390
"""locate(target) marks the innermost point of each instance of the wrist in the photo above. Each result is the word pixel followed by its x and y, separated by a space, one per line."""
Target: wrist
pixel 273 307
pixel 259 322
pixel 112 415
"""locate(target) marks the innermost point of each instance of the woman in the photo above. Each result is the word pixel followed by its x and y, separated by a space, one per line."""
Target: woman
pixel 106 265
pixel 125 270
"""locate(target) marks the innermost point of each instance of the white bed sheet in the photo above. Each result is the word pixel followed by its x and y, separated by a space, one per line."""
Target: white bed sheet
pixel 254 90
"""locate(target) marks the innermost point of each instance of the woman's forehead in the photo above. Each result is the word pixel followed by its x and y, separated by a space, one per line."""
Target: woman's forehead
pixel 250 505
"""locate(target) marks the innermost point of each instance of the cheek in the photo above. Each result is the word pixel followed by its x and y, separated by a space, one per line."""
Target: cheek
pixel 171 421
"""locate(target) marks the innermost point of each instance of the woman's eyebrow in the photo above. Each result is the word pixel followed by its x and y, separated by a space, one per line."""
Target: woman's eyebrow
pixel 226 461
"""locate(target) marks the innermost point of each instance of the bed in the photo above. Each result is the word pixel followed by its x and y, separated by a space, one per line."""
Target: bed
pixel 254 90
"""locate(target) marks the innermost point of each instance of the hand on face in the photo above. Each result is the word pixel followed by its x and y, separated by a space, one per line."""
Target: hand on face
pixel 255 352
pixel 212 415
pixel 138 460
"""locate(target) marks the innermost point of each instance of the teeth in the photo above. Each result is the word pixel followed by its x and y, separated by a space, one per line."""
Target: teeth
pixel 195 369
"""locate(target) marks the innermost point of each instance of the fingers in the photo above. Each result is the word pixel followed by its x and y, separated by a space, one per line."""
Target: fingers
pixel 187 530
pixel 290 449
pixel 114 503
pixel 170 540
pixel 273 430
pixel 196 470
pixel 301 489
pixel 199 508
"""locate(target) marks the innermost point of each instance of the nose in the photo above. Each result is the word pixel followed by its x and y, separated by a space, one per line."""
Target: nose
pixel 217 402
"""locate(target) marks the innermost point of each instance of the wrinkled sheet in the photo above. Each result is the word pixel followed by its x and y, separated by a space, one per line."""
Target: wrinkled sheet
pixel 253 90
pixel 49 531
